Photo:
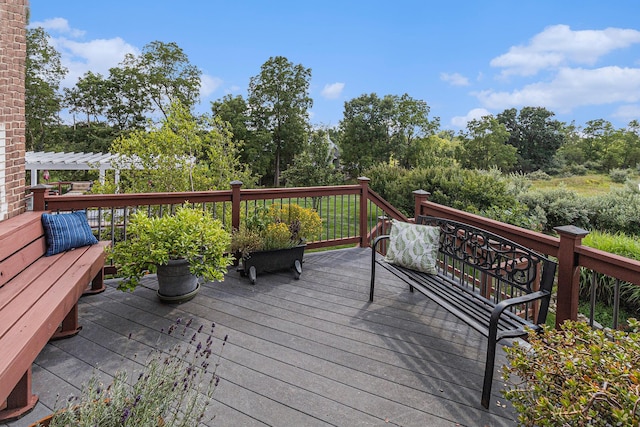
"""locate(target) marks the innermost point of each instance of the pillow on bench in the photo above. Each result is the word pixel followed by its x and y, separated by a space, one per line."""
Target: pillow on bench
pixel 414 246
pixel 67 231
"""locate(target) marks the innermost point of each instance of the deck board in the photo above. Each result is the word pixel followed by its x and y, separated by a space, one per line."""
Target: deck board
pixel 302 352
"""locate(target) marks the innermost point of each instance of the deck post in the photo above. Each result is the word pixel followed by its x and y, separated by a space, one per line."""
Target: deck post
pixel 38 192
pixel 419 196
pixel 364 216
pixel 568 273
pixel 235 204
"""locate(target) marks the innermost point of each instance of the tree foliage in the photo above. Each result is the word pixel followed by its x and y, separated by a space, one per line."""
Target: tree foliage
pixel 315 165
pixel 278 102
pixel 484 145
pixel 535 134
pixel 43 74
pixel 375 130
pixel 183 153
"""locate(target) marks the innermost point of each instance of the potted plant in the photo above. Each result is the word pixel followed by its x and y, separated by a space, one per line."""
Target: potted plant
pixel 175 387
pixel 179 247
pixel 274 238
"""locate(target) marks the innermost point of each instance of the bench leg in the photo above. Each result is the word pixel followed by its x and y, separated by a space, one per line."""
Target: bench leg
pixel 97 284
pixel 20 401
pixel 70 325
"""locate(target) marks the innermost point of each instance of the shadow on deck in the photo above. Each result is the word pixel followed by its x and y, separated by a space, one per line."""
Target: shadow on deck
pixel 300 353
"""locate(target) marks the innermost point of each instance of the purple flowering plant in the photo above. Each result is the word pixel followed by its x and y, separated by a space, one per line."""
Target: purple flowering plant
pixel 175 387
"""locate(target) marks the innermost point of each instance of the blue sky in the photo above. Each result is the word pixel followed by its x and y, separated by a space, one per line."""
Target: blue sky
pixel 466 59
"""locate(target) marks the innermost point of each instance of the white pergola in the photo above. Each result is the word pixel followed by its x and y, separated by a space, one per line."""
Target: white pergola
pixel 39 160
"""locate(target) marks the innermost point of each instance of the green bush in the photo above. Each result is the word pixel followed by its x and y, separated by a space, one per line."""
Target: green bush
pixel 576 376
pixel 619 175
pixel 468 190
pixel 616 212
pixel 560 206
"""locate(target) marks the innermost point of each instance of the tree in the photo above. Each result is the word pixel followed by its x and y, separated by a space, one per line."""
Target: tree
pixel 364 133
pixel 163 75
pixel 315 165
pixel 183 153
pixel 409 122
pixel 88 97
pixel 278 103
pixel 375 130
pixel 485 145
pixel 535 135
pixel 43 74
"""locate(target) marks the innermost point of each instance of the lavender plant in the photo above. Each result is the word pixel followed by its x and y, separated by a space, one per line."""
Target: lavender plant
pixel 174 389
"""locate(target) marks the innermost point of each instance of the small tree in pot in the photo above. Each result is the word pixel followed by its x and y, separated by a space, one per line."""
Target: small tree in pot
pixel 190 239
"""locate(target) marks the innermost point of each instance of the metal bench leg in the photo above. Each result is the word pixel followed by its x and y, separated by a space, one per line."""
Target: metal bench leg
pixel 373 273
pixel 20 401
pixel 491 359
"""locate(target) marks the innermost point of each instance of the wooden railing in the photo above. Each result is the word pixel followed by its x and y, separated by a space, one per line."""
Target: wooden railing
pixel 567 249
pixel 351 215
pixel 349 212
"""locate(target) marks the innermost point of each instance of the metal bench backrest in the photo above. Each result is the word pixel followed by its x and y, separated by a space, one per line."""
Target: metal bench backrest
pixel 490 266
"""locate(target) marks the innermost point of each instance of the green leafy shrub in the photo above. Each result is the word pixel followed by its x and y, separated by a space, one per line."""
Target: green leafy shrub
pixel 538 175
pixel 576 376
pixel 560 206
pixel 468 190
pixel 619 175
pixel 616 211
pixel 190 233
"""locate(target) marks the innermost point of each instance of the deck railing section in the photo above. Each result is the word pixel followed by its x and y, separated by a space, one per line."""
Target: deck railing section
pixel 352 215
pixel 572 256
pixel 349 212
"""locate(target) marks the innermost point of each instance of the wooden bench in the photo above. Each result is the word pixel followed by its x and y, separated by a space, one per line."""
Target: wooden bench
pixel 496 286
pixel 38 301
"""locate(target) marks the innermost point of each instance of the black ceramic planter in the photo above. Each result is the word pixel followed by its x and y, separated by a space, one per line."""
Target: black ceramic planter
pixel 273 260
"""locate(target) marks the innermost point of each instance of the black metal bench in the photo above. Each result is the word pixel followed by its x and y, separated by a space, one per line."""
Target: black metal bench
pixel 496 286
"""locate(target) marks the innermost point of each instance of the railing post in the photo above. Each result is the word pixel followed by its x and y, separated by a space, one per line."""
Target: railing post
pixel 419 196
pixel 235 204
pixel 38 192
pixel 364 216
pixel 568 273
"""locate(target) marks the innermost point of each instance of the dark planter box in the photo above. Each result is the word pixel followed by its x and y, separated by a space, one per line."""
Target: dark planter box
pixel 273 260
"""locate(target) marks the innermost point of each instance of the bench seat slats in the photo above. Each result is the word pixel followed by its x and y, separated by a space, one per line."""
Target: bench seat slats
pixel 38 297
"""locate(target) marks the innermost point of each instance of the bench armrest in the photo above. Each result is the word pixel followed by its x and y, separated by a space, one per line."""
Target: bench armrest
pixel 378 240
pixel 503 305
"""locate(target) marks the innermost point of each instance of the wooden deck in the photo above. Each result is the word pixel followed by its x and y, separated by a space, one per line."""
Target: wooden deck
pixel 312 352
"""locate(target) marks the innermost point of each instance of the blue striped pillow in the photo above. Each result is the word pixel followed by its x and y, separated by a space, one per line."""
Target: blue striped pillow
pixel 67 231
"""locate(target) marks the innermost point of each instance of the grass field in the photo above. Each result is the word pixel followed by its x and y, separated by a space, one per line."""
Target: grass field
pixel 585 185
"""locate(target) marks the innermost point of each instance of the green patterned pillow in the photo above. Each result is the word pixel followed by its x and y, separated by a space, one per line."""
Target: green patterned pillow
pixel 414 246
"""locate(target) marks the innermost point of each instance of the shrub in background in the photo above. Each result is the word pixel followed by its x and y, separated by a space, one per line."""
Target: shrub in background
pixel 619 175
pixel 576 376
pixel 616 212
pixel 560 205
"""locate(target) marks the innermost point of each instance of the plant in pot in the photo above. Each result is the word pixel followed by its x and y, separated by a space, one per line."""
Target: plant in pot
pixel 179 247
pixel 274 238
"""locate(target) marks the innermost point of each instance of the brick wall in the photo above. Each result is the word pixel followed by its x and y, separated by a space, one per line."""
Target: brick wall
pixel 13 50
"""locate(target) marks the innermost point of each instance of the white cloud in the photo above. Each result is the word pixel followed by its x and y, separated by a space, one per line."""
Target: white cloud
pixel 455 79
pixel 209 84
pixel 571 87
pixel 476 113
pixel 96 56
pixel 559 46
pixel 58 25
pixel 332 91
pixel 628 112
